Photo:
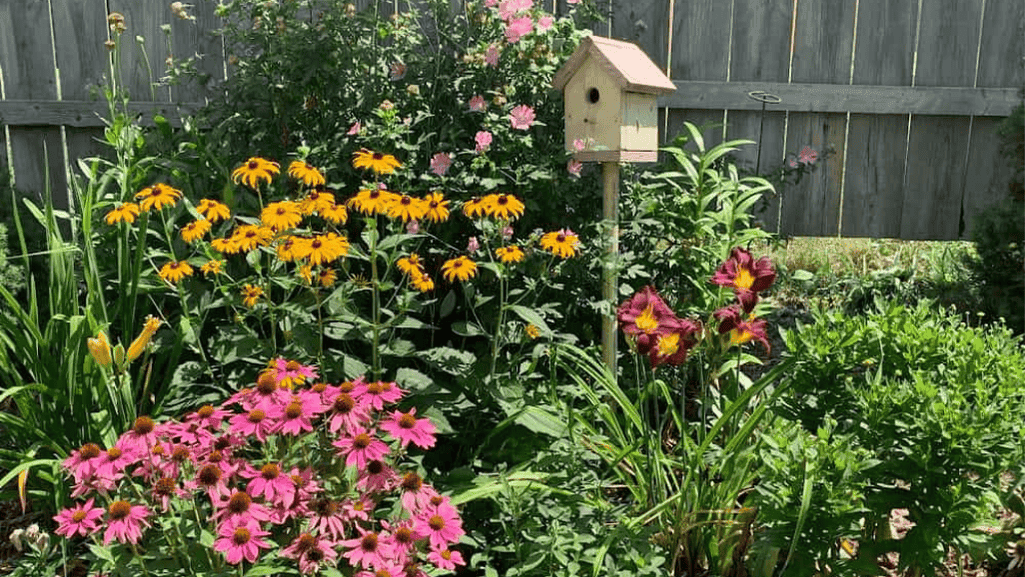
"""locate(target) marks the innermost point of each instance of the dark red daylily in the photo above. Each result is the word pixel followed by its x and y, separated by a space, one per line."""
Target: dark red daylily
pixel 646 316
pixel 731 320
pixel 672 347
pixel 746 276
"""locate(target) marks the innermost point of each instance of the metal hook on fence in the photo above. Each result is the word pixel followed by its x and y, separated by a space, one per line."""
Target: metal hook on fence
pixel 765 98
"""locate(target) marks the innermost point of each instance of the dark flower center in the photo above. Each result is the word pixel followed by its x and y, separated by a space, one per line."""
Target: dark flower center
pixel 209 475
pixel 375 467
pixel 253 165
pixel 241 536
pixel 144 425
pixel 407 421
pixel 436 522
pixel 256 416
pixel 378 156
pixel 361 441
pixel 369 542
pixel 113 453
pixel 205 412
pixel 374 388
pixel 292 365
pixel 164 486
pixel 119 510
pixel 270 471
pixel 179 454
pixel 89 451
pixel 266 384
pixel 78 516
pixel 239 502
pixel 316 244
pixel 412 482
pixel 404 535
pixel 294 410
pixel 344 403
pixel 305 542
pixel 560 238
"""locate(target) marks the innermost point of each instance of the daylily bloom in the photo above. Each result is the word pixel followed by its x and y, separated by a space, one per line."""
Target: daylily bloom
pixel 746 276
pixel 731 320
pixel 672 347
pixel 646 316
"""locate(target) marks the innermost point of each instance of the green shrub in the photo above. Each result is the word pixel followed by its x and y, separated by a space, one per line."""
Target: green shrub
pixel 939 405
pixel 999 237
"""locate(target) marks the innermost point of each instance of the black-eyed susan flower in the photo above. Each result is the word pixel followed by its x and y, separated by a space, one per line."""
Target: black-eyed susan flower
pixel 124 213
pixel 473 208
pixel 378 162
pixel 410 264
pixel 281 216
pixel 251 294
pixel 322 248
pixel 336 213
pixel 212 267
pixel 318 200
pixel 407 208
pixel 532 331
pixel 286 248
pixel 248 237
pixel 372 201
pixel 213 211
pixel 459 268
pixel 157 196
pixel 509 254
pixel 255 169
pixel 224 245
pixel 437 207
pixel 141 341
pixel 421 281
pixel 175 271
pixel 302 171
pixel 502 206
pixel 327 277
pixel 305 272
pixel 562 243
pixel 195 230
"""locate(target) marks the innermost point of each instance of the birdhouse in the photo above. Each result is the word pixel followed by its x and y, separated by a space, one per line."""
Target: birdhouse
pixel 609 87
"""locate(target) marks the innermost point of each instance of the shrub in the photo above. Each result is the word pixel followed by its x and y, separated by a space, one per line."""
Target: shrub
pixel 999 237
pixel 939 405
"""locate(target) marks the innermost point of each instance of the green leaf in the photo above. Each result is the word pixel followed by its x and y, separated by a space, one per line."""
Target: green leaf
pixel 452 361
pixel 412 379
pixel 531 316
pixel 541 421
pixel 105 554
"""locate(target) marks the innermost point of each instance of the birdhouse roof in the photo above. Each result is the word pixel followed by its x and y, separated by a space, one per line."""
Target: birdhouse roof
pixel 625 62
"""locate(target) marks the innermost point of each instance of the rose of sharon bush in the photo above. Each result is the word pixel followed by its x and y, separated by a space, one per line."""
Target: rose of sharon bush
pixel 285 469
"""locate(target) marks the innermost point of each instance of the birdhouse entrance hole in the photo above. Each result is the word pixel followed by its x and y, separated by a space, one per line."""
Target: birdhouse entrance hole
pixel 593 95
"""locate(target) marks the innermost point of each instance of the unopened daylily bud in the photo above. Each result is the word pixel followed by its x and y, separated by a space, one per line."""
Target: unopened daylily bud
pixel 140 342
pixel 99 348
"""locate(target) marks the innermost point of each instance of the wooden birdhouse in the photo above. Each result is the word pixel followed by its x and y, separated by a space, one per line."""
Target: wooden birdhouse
pixel 609 87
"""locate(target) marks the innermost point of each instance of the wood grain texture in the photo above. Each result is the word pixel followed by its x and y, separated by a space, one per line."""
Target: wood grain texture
pixel 696 27
pixel 761 53
pixel 143 64
pixel 938 146
pixel 874 182
pixel 80 30
pixel 645 23
pixel 190 38
pixel 81 113
pixel 858 98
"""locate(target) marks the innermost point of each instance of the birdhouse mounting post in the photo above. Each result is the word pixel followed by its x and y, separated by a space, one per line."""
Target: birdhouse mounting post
pixel 610 278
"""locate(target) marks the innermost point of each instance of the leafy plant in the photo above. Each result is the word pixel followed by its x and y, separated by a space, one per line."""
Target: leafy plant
pixel 999 237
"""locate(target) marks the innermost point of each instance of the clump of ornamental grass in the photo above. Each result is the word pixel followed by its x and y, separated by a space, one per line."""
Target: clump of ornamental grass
pixel 289 471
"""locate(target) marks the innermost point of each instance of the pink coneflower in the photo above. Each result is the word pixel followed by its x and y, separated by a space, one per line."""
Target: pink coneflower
pixel 440 163
pixel 240 541
pixel 310 551
pixel 82 519
pixel 415 493
pixel 210 478
pixel 112 462
pixel 287 374
pixel 297 416
pixel 208 416
pixel 483 140
pixel 357 509
pixel 254 423
pixel 140 437
pixel 347 414
pixel 406 428
pixel 446 559
pixel 377 394
pixel 326 517
pixel 360 448
pixel 190 433
pixel 125 522
pixel 521 117
pixel 163 489
pixel 442 525
pixel 238 507
pixel 807 155
pixel 270 483
pixel 390 569
pixel 83 461
pixel 477 103
pixel 368 550
pixel 267 392
pixel 376 478
pixel 402 538
pixel 517 28
pixel 491 55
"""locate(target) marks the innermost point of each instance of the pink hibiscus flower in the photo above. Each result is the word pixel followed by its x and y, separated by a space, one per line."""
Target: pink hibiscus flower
pixel 408 429
pixel 477 103
pixel 521 117
pixel 483 140
pixel 125 522
pixel 491 55
pixel 82 519
pixel 518 28
pixel 440 163
pixel 808 155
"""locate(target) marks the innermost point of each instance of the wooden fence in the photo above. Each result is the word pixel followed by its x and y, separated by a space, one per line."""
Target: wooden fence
pixel 906 94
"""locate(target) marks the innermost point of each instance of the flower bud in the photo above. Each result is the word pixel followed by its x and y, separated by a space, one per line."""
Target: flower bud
pixel 99 348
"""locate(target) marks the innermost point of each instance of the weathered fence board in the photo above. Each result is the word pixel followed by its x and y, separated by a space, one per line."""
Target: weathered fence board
pixel 908 102
pixel 877 143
